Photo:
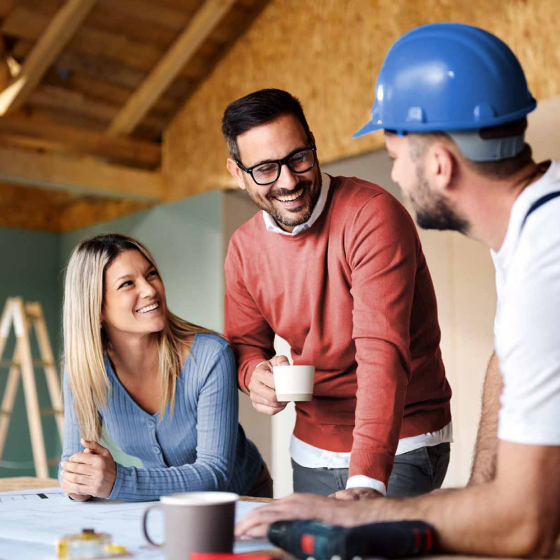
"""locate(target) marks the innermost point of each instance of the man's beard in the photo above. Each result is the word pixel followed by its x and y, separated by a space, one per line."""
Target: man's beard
pixel 296 219
pixel 437 212
pixel 286 218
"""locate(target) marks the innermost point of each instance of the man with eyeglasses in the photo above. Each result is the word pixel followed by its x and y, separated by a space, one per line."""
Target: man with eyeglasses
pixel 334 266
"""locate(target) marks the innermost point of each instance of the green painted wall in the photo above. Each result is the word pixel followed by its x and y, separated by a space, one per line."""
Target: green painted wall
pixel 186 239
pixel 29 267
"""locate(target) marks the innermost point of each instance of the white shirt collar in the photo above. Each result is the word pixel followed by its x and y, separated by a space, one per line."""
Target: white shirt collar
pixel 271 224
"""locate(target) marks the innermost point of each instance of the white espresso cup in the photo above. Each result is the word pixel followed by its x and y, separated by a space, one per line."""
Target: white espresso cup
pixel 293 383
pixel 195 522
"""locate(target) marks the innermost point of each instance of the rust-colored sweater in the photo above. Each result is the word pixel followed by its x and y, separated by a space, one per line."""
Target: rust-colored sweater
pixel 353 296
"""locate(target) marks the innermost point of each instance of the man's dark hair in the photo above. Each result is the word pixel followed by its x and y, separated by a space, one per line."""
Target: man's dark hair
pixel 501 169
pixel 256 109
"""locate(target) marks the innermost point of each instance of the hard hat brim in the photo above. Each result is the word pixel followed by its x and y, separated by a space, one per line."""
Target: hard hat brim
pixel 366 129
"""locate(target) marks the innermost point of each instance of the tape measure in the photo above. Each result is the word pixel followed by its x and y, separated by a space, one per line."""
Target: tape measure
pixel 88 545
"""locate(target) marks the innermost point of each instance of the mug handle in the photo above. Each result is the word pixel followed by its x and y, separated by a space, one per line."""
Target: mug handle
pixel 145 526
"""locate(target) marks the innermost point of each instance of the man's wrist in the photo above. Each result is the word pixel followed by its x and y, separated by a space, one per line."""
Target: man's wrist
pixel 246 371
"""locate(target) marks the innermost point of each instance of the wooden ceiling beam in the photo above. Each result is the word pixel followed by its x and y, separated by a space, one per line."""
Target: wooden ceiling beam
pixel 83 175
pixel 202 24
pixel 38 132
pixel 58 33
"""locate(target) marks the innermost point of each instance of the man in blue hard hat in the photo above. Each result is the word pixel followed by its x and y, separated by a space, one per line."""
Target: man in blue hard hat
pixel 452 100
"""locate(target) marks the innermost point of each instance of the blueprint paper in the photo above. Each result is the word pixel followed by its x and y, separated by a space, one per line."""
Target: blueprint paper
pixel 52 490
pixel 16 549
pixel 32 520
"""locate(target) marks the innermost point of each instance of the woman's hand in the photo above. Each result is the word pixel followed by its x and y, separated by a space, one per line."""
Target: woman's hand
pixel 91 473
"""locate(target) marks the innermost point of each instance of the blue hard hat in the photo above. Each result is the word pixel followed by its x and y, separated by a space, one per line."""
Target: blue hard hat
pixel 448 77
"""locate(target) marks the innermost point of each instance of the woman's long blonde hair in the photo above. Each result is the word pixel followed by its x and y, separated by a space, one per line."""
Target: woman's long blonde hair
pixel 85 341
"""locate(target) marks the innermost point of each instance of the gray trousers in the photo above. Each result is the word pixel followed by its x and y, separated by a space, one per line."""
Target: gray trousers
pixel 414 473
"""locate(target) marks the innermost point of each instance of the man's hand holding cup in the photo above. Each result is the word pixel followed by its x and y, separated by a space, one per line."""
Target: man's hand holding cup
pixel 275 383
pixel 262 389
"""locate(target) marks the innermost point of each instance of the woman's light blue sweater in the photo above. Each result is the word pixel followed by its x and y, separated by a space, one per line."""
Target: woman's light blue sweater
pixel 200 447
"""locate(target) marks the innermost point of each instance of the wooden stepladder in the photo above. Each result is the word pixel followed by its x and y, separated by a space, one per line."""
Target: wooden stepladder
pixel 25 317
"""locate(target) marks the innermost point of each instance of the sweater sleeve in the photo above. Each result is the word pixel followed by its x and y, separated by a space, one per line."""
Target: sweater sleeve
pixel 382 251
pixel 71 442
pixel 217 428
pixel 245 327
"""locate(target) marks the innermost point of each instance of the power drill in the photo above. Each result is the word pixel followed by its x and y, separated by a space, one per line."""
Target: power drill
pixel 395 539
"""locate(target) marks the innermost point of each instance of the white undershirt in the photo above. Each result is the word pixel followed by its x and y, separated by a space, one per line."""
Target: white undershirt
pixel 313 457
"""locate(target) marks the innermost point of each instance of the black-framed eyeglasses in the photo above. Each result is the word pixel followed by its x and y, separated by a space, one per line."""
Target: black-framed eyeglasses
pixel 268 172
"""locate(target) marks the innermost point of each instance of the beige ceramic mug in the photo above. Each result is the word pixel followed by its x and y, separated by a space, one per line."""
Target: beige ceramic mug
pixel 195 522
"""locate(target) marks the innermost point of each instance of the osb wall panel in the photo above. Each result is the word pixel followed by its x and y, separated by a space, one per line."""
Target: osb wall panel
pixel 88 211
pixel 31 208
pixel 328 53
pixel 57 211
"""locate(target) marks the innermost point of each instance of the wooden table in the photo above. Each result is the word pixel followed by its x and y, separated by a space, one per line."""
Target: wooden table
pixel 26 483
pixel 29 482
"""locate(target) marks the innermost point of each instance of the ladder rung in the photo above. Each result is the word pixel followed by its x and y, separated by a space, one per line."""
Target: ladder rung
pixel 53 462
pixel 50 411
pixel 38 363
pixel 7 364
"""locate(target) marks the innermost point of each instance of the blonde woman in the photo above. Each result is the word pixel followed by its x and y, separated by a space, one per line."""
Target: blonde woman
pixel 164 389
